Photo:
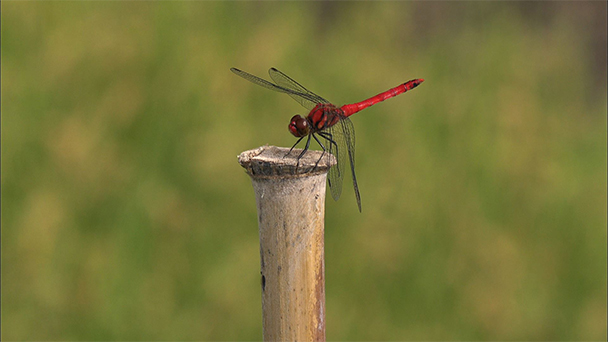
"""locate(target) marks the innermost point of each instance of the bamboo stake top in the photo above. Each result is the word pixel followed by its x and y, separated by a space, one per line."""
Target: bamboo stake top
pixel 271 161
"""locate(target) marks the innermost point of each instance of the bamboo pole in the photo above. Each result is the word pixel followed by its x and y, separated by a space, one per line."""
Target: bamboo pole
pixel 290 203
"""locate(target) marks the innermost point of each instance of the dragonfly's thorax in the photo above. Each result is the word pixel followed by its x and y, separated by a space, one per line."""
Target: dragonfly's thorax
pixel 323 116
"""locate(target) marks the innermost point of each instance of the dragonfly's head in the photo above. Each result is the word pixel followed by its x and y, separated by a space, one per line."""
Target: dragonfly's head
pixel 299 126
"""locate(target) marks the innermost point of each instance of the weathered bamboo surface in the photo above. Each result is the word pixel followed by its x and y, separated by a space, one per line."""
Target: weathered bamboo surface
pixel 290 201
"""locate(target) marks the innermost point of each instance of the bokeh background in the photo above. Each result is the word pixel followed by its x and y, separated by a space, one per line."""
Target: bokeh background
pixel 125 215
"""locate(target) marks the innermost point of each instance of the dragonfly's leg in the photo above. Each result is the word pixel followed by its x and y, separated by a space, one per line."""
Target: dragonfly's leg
pixel 329 137
pixel 292 147
pixel 305 147
pixel 322 154
pixel 332 143
pixel 303 151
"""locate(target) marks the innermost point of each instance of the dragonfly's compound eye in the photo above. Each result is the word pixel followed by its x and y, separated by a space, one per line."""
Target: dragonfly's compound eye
pixel 298 126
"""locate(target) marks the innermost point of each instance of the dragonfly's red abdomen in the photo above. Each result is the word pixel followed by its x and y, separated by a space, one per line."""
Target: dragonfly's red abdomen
pixel 351 109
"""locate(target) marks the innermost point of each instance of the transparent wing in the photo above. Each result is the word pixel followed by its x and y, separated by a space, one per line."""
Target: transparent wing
pixel 289 83
pixel 341 136
pixel 307 100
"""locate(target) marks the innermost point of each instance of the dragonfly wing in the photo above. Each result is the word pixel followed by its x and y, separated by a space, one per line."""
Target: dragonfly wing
pixel 342 136
pixel 306 100
pixel 335 177
pixel 349 138
pixel 287 82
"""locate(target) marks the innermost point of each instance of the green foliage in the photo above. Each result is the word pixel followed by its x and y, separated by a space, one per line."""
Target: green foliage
pixel 125 215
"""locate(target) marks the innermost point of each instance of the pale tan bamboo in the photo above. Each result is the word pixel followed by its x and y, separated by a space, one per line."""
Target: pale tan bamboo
pixel 290 203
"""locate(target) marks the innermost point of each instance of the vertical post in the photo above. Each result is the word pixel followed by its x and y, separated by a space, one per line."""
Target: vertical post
pixel 290 203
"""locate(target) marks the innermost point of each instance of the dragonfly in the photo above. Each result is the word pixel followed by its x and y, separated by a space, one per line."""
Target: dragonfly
pixel 326 121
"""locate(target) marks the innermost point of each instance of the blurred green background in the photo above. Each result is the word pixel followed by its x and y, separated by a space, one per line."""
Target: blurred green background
pixel 125 215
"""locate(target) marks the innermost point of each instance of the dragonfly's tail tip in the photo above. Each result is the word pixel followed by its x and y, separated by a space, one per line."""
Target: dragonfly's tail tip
pixel 414 83
pixel 411 84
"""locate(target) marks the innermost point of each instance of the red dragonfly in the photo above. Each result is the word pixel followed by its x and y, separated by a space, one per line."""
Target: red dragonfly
pixel 327 121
